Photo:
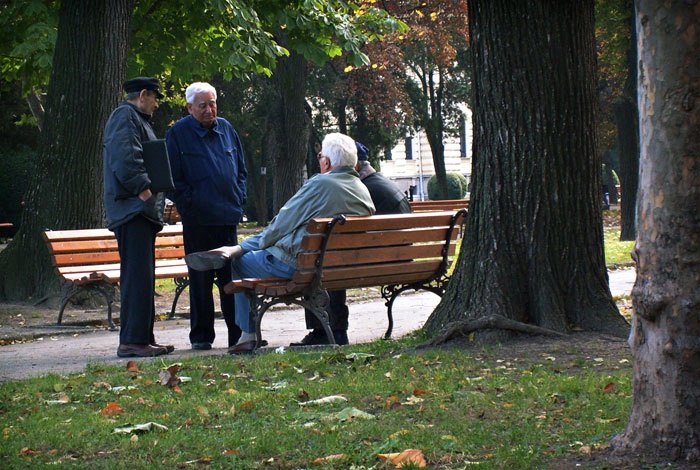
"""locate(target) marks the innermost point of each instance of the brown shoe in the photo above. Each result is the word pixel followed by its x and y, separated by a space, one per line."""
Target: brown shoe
pixel 168 347
pixel 140 350
pixel 242 348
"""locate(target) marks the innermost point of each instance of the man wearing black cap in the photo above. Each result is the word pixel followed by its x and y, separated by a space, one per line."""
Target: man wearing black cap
pixel 388 199
pixel 134 214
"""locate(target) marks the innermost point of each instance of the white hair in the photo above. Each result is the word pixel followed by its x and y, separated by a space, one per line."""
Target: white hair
pixel 196 88
pixel 340 150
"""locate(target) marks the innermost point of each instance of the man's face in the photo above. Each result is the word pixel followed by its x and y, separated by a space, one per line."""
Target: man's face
pixel 203 109
pixel 148 102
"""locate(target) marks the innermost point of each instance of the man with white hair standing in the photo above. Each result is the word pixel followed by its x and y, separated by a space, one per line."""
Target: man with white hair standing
pixel 272 253
pixel 208 167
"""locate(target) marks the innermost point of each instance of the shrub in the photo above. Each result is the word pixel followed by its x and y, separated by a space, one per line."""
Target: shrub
pixel 456 187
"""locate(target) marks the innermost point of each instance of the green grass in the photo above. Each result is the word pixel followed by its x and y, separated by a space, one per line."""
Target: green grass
pixel 617 253
pixel 457 407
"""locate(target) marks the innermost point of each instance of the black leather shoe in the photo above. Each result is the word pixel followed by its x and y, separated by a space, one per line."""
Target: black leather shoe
pixel 139 350
pixel 203 346
pixel 341 337
pixel 313 338
pixel 242 348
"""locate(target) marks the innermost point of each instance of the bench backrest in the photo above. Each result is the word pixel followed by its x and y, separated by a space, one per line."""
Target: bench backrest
pixel 372 251
pixel 440 205
pixel 95 251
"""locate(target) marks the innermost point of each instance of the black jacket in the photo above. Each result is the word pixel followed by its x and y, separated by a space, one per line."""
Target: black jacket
pixel 124 174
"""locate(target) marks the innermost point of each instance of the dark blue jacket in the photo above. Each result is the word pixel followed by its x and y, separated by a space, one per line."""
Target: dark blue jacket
pixel 124 174
pixel 209 172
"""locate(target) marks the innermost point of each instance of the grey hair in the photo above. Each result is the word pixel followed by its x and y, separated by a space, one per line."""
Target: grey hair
pixel 132 95
pixel 198 87
pixel 340 150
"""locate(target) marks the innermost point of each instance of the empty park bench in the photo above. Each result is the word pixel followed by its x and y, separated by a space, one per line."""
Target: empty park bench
pixel 396 252
pixel 440 205
pixel 89 259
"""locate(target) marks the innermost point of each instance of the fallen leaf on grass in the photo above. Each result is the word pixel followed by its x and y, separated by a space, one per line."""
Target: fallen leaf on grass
pixel 29 451
pixel 321 460
pixel 145 427
pixel 350 413
pixel 413 456
pixel 63 400
pixel 360 357
pixel 609 388
pixel 319 401
pixel 132 366
pixel 168 376
pixel 111 409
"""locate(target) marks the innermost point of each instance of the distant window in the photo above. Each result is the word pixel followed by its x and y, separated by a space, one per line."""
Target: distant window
pixel 387 153
pixel 409 148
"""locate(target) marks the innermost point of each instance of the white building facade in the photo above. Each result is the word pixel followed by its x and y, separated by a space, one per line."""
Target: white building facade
pixel 410 164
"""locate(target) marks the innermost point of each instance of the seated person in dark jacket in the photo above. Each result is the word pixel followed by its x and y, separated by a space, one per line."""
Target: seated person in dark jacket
pixel 388 199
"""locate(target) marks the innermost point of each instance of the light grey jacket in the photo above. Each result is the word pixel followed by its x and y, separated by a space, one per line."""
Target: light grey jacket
pixel 338 192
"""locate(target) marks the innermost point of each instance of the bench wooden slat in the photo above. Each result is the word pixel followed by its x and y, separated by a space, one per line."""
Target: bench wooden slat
pixel 385 222
pixel 378 238
pixel 440 205
pixel 356 272
pixel 370 255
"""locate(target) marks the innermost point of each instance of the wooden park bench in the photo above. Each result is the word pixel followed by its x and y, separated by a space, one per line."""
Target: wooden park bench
pixel 89 259
pixel 396 252
pixel 440 205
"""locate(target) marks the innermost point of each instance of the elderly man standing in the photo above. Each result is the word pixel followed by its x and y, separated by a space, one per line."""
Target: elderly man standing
pixel 206 157
pixel 272 253
pixel 134 214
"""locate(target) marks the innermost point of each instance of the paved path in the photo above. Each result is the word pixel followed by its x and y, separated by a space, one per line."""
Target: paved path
pixel 71 353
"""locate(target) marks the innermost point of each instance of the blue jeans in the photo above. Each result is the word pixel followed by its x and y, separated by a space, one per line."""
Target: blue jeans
pixel 254 264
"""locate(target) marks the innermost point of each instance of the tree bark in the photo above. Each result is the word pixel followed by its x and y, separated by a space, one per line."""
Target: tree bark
pixel 665 340
pixel 533 247
pixel 627 121
pixel 293 129
pixel 66 190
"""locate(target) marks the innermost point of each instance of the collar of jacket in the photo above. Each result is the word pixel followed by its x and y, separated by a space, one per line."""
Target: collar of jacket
pixel 147 117
pixel 202 131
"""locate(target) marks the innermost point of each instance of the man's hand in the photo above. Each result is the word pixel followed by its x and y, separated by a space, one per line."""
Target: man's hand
pixel 145 195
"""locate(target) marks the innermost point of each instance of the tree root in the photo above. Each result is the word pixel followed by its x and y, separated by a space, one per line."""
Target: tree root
pixel 462 328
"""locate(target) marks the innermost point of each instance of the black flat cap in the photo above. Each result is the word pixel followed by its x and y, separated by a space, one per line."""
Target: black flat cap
pixel 362 152
pixel 143 83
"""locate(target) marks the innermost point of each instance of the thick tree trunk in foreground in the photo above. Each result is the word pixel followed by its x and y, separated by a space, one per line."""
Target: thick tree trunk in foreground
pixel 66 191
pixel 665 340
pixel 533 247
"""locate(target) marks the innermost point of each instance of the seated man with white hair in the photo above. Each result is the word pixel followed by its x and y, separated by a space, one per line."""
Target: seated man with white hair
pixel 272 253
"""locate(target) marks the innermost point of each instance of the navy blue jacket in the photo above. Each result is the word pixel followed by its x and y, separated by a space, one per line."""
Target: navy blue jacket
pixel 124 174
pixel 209 172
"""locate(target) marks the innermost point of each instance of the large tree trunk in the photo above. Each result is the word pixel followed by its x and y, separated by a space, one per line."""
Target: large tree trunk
pixel 66 190
pixel 533 247
pixel 665 417
pixel 627 121
pixel 293 130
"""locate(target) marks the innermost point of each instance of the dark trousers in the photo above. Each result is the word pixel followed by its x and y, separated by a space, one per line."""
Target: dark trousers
pixel 202 238
pixel 137 240
pixel 337 313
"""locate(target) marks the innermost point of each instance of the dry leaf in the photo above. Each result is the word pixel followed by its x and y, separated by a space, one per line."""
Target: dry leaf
pixel 609 387
pixel 132 366
pixel 414 456
pixel 232 452
pixel 418 392
pixel 111 409
pixel 321 460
